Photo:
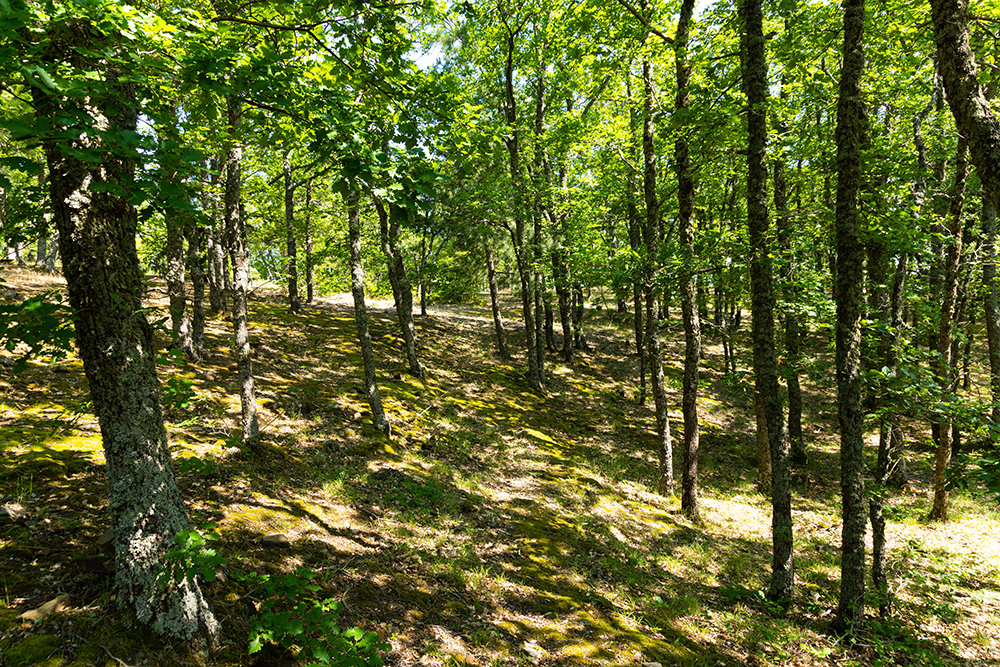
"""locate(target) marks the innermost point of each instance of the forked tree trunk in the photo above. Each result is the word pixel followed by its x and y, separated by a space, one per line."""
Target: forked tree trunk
pixel 236 231
pixel 754 84
pixel 361 312
pixel 97 232
pixel 850 260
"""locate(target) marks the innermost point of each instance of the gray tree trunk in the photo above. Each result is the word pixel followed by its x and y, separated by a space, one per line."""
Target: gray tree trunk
pixel 97 232
pixel 379 419
pixel 401 293
pixel 754 84
pixel 309 244
pixel 689 294
pixel 291 248
pixel 236 231
pixel 495 304
pixel 651 234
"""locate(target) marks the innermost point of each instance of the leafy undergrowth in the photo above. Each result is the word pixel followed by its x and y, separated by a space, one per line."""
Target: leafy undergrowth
pixel 495 527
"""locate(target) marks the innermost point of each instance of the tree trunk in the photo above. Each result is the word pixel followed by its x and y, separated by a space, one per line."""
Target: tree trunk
pixel 518 237
pixel 850 259
pixel 495 304
pixel 361 312
pixel 401 293
pixel 97 232
pixel 651 232
pixel 991 302
pixel 291 247
pixel 689 293
pixel 236 231
pixel 560 276
pixel 635 236
pixel 949 297
pixel 309 243
pixel 176 222
pixel 754 84
pixel 197 240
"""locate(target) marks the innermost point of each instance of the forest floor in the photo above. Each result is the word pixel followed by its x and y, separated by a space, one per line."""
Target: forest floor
pixel 495 526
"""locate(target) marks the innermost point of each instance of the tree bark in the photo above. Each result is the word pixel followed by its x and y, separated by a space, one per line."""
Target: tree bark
pixel 401 293
pixel 379 420
pixel 97 232
pixel 946 318
pixel 689 293
pixel 291 246
pixel 236 231
pixel 754 84
pixel 495 304
pixel 309 243
pixel 850 259
pixel 635 235
pixel 651 233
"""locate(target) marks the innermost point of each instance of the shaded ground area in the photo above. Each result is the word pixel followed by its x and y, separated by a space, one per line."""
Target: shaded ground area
pixel 496 527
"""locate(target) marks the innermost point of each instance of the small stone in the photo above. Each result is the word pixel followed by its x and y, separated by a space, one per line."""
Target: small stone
pixel 651 664
pixel 534 651
pixel 56 604
pixel 11 513
pixel 277 540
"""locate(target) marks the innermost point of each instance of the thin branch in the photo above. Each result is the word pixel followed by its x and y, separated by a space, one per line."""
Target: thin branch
pixel 634 12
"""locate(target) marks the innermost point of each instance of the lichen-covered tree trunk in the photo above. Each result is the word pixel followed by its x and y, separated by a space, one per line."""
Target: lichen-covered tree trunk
pixel 402 294
pixel 379 420
pixel 754 84
pixel 97 231
pixel 491 275
pixel 981 129
pixel 197 239
pixel 850 260
pixel 522 250
pixel 236 231
pixel 946 320
pixel 689 294
pixel 651 235
pixel 291 246
pixel 309 245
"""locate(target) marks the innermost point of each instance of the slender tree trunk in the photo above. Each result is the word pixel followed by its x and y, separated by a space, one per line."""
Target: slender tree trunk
pixel 495 304
pixel 850 259
pixel 991 302
pixel 197 240
pixel 651 232
pixel 309 243
pixel 361 313
pixel 175 221
pixel 291 247
pixel 97 232
pixel 560 276
pixel 579 310
pixel 236 230
pixel 689 293
pixel 635 236
pixel 518 233
pixel 754 85
pixel 949 294
pixel 401 293
pixel 218 273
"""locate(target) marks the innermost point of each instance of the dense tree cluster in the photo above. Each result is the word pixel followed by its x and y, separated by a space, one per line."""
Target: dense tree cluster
pixel 830 168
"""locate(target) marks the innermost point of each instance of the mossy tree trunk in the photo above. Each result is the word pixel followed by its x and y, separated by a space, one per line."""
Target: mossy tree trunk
pixel 97 232
pixel 755 86
pixel 850 260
